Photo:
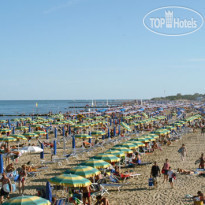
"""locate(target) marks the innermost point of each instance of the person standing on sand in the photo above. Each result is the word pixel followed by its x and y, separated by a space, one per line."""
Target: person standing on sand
pixel 171 177
pixel 183 152
pixel 165 170
pixel 155 172
pixel 86 195
pixel 201 161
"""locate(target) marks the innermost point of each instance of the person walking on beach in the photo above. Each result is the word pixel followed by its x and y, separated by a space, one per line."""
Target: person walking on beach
pixel 155 172
pixel 171 177
pixel 165 170
pixel 201 161
pixel 183 152
pixel 5 181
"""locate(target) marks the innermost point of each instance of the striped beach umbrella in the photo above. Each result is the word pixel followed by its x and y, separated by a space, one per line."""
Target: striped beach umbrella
pixel 19 137
pixel 5 130
pixel 83 136
pixel 107 157
pixel 40 132
pixel 27 200
pixel 138 143
pixel 96 163
pixel 125 126
pixel 123 149
pixel 36 125
pixel 117 153
pixel 98 133
pixel 22 128
pixel 30 134
pixel 8 139
pixel 2 121
pixel 83 171
pixel 127 145
pixel 70 180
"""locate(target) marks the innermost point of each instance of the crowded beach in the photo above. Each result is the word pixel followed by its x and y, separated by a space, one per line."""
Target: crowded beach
pixel 131 154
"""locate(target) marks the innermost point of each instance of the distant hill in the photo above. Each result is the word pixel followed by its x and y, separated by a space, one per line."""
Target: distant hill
pixel 179 96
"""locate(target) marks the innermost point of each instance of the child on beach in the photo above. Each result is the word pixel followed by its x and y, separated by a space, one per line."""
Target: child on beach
pixel 165 170
pixel 171 177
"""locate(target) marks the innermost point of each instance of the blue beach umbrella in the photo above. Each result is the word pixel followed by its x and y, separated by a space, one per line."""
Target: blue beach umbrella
pixel 48 192
pixel 42 153
pixel 1 164
pixel 55 132
pixel 90 140
pixel 54 147
pixel 73 142
pixel 110 121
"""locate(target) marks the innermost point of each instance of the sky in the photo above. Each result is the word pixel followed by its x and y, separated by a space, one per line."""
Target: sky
pixel 88 49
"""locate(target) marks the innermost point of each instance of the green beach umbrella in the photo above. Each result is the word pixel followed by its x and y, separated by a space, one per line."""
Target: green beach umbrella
pixel 125 126
pixel 127 145
pixel 5 130
pixel 107 157
pixel 22 128
pixel 96 163
pixel 8 139
pixel 98 133
pixel 83 171
pixel 123 149
pixel 19 137
pixel 30 134
pixel 138 143
pixel 36 125
pixel 70 180
pixel 27 200
pixel 40 132
pixel 83 136
pixel 2 121
pixel 117 153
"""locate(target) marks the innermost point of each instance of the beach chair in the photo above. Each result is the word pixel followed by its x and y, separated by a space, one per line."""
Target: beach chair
pixel 98 189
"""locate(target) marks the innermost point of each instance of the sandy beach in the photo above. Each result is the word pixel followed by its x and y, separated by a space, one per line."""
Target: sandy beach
pixel 136 191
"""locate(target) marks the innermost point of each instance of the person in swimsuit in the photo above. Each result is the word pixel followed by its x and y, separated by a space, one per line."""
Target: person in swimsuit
pixel 22 178
pixel 86 195
pixel 5 180
pixel 165 170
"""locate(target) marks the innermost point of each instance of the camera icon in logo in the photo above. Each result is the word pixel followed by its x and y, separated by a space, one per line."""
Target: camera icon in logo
pixel 169 19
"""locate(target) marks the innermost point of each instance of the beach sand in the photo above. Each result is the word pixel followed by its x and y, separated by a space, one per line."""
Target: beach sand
pixel 137 190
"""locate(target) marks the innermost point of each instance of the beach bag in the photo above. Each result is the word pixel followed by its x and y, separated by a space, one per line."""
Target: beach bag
pixel 150 182
pixel 198 203
pixel 163 171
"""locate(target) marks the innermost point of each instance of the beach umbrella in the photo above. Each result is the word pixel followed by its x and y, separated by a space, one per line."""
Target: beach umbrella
pixel 84 171
pixel 5 130
pixel 40 132
pixel 119 130
pixel 83 136
pixel 42 153
pixel 70 180
pixel 47 133
pixel 27 200
pixel 18 137
pixel 138 143
pixel 54 147
pixel 127 145
pixel 30 134
pixel 2 121
pixel 117 153
pixel 123 149
pixel 8 139
pixel 36 125
pixel 114 131
pixel 97 133
pixel 1 164
pixel 125 126
pixel 22 128
pixel 107 157
pixel 96 163
pixel 63 131
pixel 31 149
pixel 48 192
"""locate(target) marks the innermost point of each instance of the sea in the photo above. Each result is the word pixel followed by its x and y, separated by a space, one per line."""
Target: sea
pixel 28 107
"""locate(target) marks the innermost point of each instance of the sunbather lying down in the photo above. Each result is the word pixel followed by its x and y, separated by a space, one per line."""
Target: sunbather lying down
pixel 183 171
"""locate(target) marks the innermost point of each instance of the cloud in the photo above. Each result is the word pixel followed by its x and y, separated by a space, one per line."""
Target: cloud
pixel 61 6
